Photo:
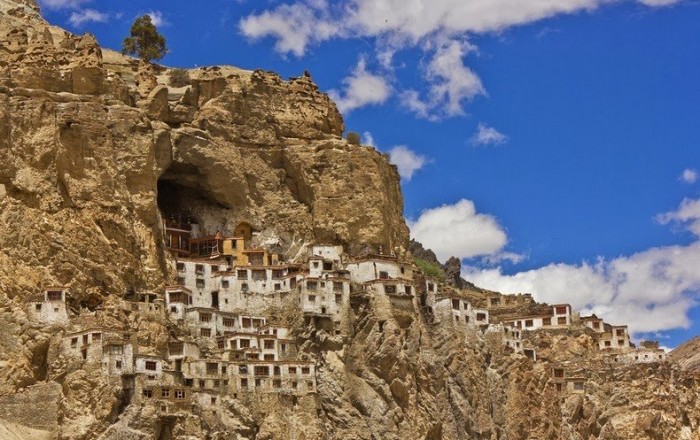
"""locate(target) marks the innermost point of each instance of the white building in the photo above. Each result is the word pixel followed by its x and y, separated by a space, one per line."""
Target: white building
pixel 50 307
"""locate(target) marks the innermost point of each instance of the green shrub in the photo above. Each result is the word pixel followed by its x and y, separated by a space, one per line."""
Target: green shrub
pixel 179 78
pixel 430 270
pixel 353 138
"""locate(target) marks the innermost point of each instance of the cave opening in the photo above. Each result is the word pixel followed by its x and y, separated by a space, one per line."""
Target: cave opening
pixel 192 216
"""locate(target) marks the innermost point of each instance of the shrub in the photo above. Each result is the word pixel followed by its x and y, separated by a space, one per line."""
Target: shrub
pixel 179 78
pixel 144 40
pixel 353 138
pixel 430 270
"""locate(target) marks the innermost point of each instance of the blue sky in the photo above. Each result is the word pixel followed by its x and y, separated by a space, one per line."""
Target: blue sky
pixel 553 145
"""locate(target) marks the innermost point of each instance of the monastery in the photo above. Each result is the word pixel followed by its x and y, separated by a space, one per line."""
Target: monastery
pixel 226 343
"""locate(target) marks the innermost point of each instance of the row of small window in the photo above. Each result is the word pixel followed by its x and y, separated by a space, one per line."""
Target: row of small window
pixel 314 285
pixel 165 393
pixel 338 298
pixel 620 343
pixel 578 386
pixel 86 339
pixel 37 307
pixel 545 322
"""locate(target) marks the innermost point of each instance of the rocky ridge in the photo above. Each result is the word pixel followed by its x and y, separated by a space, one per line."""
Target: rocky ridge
pixel 90 139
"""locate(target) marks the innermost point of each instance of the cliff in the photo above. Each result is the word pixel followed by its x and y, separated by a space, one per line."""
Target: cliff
pixel 97 150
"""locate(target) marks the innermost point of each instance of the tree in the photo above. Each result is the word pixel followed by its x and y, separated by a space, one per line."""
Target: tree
pixel 145 40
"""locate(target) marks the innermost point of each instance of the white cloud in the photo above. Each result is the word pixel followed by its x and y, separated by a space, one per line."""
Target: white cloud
pixel 407 161
pixel 652 290
pixel 157 18
pixel 361 88
pixel 486 135
pixel 689 175
pixel 78 18
pixel 367 139
pixel 458 230
pixel 687 214
pixel 659 3
pixel 62 4
pixel 294 26
pixel 394 25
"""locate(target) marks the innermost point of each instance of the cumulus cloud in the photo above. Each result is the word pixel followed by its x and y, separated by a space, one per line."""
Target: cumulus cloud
pixel 295 26
pixel 361 88
pixel 652 290
pixel 687 214
pixel 486 135
pixel 80 17
pixel 62 4
pixel 394 25
pixel 458 230
pixel 407 161
pixel 689 175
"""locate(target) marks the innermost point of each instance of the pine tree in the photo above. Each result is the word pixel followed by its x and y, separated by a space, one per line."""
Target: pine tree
pixel 145 40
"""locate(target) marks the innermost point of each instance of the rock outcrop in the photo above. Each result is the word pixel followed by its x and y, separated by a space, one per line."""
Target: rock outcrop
pixel 96 150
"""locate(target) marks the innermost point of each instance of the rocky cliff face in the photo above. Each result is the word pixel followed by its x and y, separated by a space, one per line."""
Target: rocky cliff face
pixel 95 150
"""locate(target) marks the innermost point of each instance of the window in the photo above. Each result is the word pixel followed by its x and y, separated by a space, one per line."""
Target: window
pixel 269 343
pixel 596 325
pixel 269 357
pixel 292 370
pixel 546 321
pixel 561 310
pixel 180 281
pixel 217 382
pixel 529 323
pixel 283 348
pixel 246 322
pixel 481 316
pixel 214 269
pixel 312 298
pixel 244 383
pixel 165 393
pixel 205 332
pixel 54 295
pixel 383 275
pixel 305 370
pixel 200 283
pixel 621 342
pixel 561 320
pixel 180 267
pixel 431 287
pixel 148 393
pixel 408 290
pixel 403 270
pixel 224 284
pixel 276 371
pixel 212 368
pixel 37 307
pixel 179 394
pixel 315 264
pixel 199 269
pixel 277 383
pixel 578 386
pixel 311 285
pixel 455 304
pixel 259 275
pixel 620 332
pixel 607 343
pixel 277 274
pixel 202 383
pixel 118 365
pixel 294 384
pixel 213 400
pixel 244 287
pixel 205 317
pixel 73 342
pixel 243 343
pixel 338 298
pixel 116 349
pixel 559 387
pixel 229 322
pixel 262 370
pixel 242 274
pixel 278 286
pixel 151 365
pixel 558 372
pixel 258 382
pixel 390 289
